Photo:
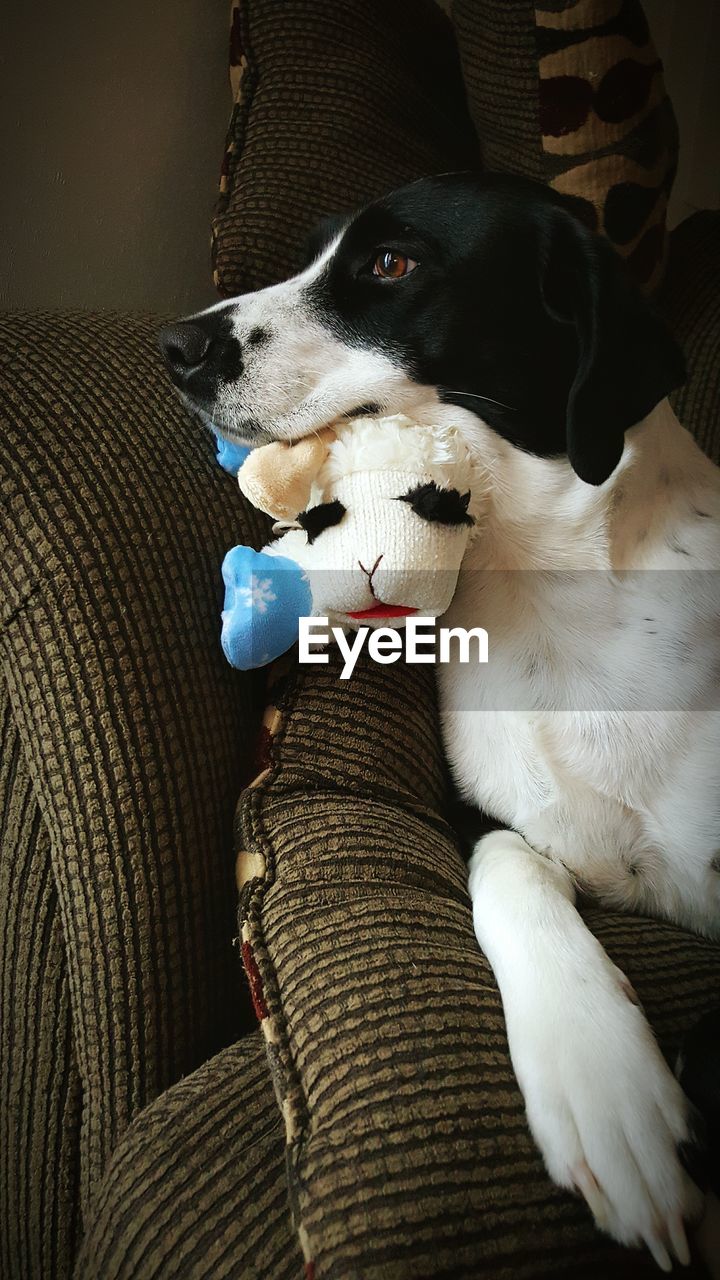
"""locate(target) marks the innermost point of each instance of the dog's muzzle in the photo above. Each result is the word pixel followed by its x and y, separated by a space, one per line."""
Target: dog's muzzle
pixel 200 353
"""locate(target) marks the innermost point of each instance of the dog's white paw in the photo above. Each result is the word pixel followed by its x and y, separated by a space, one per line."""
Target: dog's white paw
pixel 607 1113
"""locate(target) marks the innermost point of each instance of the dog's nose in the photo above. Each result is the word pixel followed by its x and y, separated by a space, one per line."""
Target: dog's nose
pixel 184 346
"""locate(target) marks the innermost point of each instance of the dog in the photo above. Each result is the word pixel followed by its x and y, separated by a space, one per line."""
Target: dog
pixel 593 738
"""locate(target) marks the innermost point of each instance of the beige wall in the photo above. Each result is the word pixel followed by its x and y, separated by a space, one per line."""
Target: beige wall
pixel 113 121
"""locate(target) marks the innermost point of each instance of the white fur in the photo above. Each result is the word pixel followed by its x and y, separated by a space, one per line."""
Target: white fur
pixel 624 770
pixel 623 803
pixel 603 1107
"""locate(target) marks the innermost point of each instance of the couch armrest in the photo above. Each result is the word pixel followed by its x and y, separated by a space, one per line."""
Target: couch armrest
pixel 115 518
pixel 408 1149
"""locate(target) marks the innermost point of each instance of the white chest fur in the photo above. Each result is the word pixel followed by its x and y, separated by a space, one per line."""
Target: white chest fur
pixel 594 731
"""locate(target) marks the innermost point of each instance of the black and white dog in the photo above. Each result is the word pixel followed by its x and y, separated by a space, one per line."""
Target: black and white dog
pixel 485 299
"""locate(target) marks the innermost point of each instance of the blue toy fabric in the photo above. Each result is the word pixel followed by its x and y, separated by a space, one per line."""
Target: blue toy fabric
pixel 265 596
pixel 230 456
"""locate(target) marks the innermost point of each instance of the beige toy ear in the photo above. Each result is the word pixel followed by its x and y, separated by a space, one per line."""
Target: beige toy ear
pixel 277 478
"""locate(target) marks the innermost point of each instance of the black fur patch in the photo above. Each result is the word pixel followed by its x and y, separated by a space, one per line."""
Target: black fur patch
pixel 324 516
pixel 258 336
pixel 366 410
pixel 516 312
pixel 442 506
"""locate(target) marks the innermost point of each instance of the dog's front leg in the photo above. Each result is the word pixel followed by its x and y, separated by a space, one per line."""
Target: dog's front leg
pixel 603 1106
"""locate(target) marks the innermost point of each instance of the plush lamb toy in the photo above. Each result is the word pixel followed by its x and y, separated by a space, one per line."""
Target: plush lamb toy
pixel 374 517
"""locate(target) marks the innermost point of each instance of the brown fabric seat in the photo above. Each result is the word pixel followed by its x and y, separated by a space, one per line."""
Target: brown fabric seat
pixel 408 1149
pixel 40 1092
pixel 124 739
pixel 197 1186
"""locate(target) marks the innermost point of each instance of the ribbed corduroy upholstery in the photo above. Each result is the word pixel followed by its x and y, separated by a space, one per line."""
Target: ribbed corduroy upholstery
pixel 130 734
pixel 571 92
pixel 691 302
pixel 40 1094
pixel 337 102
pixel 197 1187
pixel 499 63
pixel 123 736
pixel 409 1152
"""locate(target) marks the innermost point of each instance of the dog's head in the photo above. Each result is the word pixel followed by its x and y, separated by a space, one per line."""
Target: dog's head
pixel 483 291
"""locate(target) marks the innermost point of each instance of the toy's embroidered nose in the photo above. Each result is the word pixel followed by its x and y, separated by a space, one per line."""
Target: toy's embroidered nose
pixel 370 572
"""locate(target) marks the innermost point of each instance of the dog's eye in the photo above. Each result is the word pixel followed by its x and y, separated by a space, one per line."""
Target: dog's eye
pixel 391 265
pixel 324 516
pixel 440 506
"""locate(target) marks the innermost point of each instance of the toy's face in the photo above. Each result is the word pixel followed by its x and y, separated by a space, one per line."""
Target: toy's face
pixel 386 544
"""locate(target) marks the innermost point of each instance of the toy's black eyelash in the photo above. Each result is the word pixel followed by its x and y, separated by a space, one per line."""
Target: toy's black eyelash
pixel 324 516
pixel 442 506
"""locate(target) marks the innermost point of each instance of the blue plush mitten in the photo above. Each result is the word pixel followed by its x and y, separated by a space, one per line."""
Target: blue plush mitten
pixel 230 456
pixel 265 596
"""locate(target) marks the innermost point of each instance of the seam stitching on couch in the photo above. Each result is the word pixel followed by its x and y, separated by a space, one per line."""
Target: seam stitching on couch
pixel 288 1085
pixel 235 137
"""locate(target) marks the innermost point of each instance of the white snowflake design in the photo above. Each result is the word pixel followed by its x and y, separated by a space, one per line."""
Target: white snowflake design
pixel 258 595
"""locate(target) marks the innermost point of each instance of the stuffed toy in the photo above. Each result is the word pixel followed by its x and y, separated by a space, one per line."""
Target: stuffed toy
pixel 373 517
pixel 230 456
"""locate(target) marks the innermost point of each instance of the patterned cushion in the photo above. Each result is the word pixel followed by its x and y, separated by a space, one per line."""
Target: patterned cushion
pixel 571 92
pixel 336 102
pixel 408 1150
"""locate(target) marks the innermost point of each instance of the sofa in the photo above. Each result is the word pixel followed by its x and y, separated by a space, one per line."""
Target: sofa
pixel 316 1083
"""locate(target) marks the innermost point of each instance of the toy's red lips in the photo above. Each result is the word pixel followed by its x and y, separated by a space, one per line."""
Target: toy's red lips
pixel 383 611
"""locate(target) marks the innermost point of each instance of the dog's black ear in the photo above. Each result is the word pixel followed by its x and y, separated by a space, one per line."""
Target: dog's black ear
pixel 626 359
pixel 321 235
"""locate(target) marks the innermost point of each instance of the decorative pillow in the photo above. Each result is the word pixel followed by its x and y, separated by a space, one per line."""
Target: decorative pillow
pixel 336 101
pixel 571 92
pixel 408 1153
